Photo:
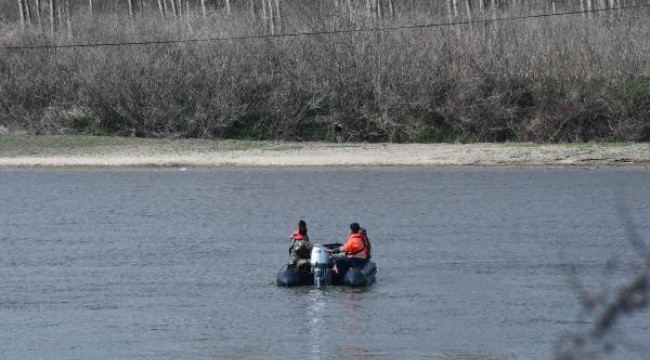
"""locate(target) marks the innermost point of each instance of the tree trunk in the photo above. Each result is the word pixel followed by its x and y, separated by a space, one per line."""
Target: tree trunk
pixel 278 14
pixel 174 9
pixel 269 6
pixel 161 8
pixel 179 6
pixel 59 13
pixel 351 12
pixel 141 7
pixel 130 8
pixel 264 11
pixel 38 11
pixel 68 18
pixel 52 16
pixel 90 7
pixel 228 9
pixel 22 13
pixel 28 13
pixel 203 9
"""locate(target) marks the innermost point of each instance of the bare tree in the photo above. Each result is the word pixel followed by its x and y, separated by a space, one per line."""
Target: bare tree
pixel 68 18
pixel 278 14
pixel 606 311
pixel 228 9
pixel 468 8
pixel 38 11
pixel 264 11
pixel 268 14
pixel 130 8
pixel 449 11
pixel 203 9
pixel 161 8
pixel 22 13
pixel 174 8
pixel 53 9
pixel 350 12
pixel 28 14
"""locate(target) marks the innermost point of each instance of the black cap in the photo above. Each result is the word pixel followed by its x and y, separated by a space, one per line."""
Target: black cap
pixel 355 227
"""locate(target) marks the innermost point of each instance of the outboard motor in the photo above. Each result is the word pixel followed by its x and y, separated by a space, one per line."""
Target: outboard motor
pixel 320 265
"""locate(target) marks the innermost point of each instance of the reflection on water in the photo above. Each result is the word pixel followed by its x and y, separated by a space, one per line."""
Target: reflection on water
pixel 472 264
pixel 316 314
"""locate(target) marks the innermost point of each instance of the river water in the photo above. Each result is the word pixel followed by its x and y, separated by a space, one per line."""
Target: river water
pixel 473 263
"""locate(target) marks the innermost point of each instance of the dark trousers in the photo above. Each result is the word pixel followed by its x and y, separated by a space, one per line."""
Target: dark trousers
pixel 344 263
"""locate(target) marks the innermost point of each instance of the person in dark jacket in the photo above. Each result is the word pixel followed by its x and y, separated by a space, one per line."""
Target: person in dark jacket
pixel 300 247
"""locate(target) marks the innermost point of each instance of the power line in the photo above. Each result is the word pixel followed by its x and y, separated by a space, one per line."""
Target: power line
pixel 316 33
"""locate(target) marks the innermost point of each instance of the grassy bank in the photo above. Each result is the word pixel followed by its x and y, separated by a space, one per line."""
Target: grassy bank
pixel 29 145
pixel 561 79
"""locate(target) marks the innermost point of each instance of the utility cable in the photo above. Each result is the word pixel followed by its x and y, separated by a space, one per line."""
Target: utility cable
pixel 316 33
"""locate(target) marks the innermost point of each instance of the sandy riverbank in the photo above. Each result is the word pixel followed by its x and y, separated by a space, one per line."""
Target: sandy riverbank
pixel 116 152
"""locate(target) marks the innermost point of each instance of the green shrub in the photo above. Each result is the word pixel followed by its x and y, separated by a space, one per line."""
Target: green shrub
pixel 430 135
pixel 252 126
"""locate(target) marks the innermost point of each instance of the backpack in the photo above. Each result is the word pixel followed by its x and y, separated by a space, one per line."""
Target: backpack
pixel 366 243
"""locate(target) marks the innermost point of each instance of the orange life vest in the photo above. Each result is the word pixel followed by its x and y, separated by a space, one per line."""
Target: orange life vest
pixel 355 246
pixel 295 235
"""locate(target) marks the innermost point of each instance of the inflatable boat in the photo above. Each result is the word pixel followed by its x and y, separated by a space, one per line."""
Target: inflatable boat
pixel 318 271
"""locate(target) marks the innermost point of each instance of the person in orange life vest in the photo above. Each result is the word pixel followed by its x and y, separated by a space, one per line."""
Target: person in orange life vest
pixel 366 242
pixel 301 232
pixel 300 248
pixel 354 251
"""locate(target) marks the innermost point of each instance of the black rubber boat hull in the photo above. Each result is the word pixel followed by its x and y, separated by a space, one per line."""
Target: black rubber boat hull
pixel 291 276
pixel 360 277
pixel 355 277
